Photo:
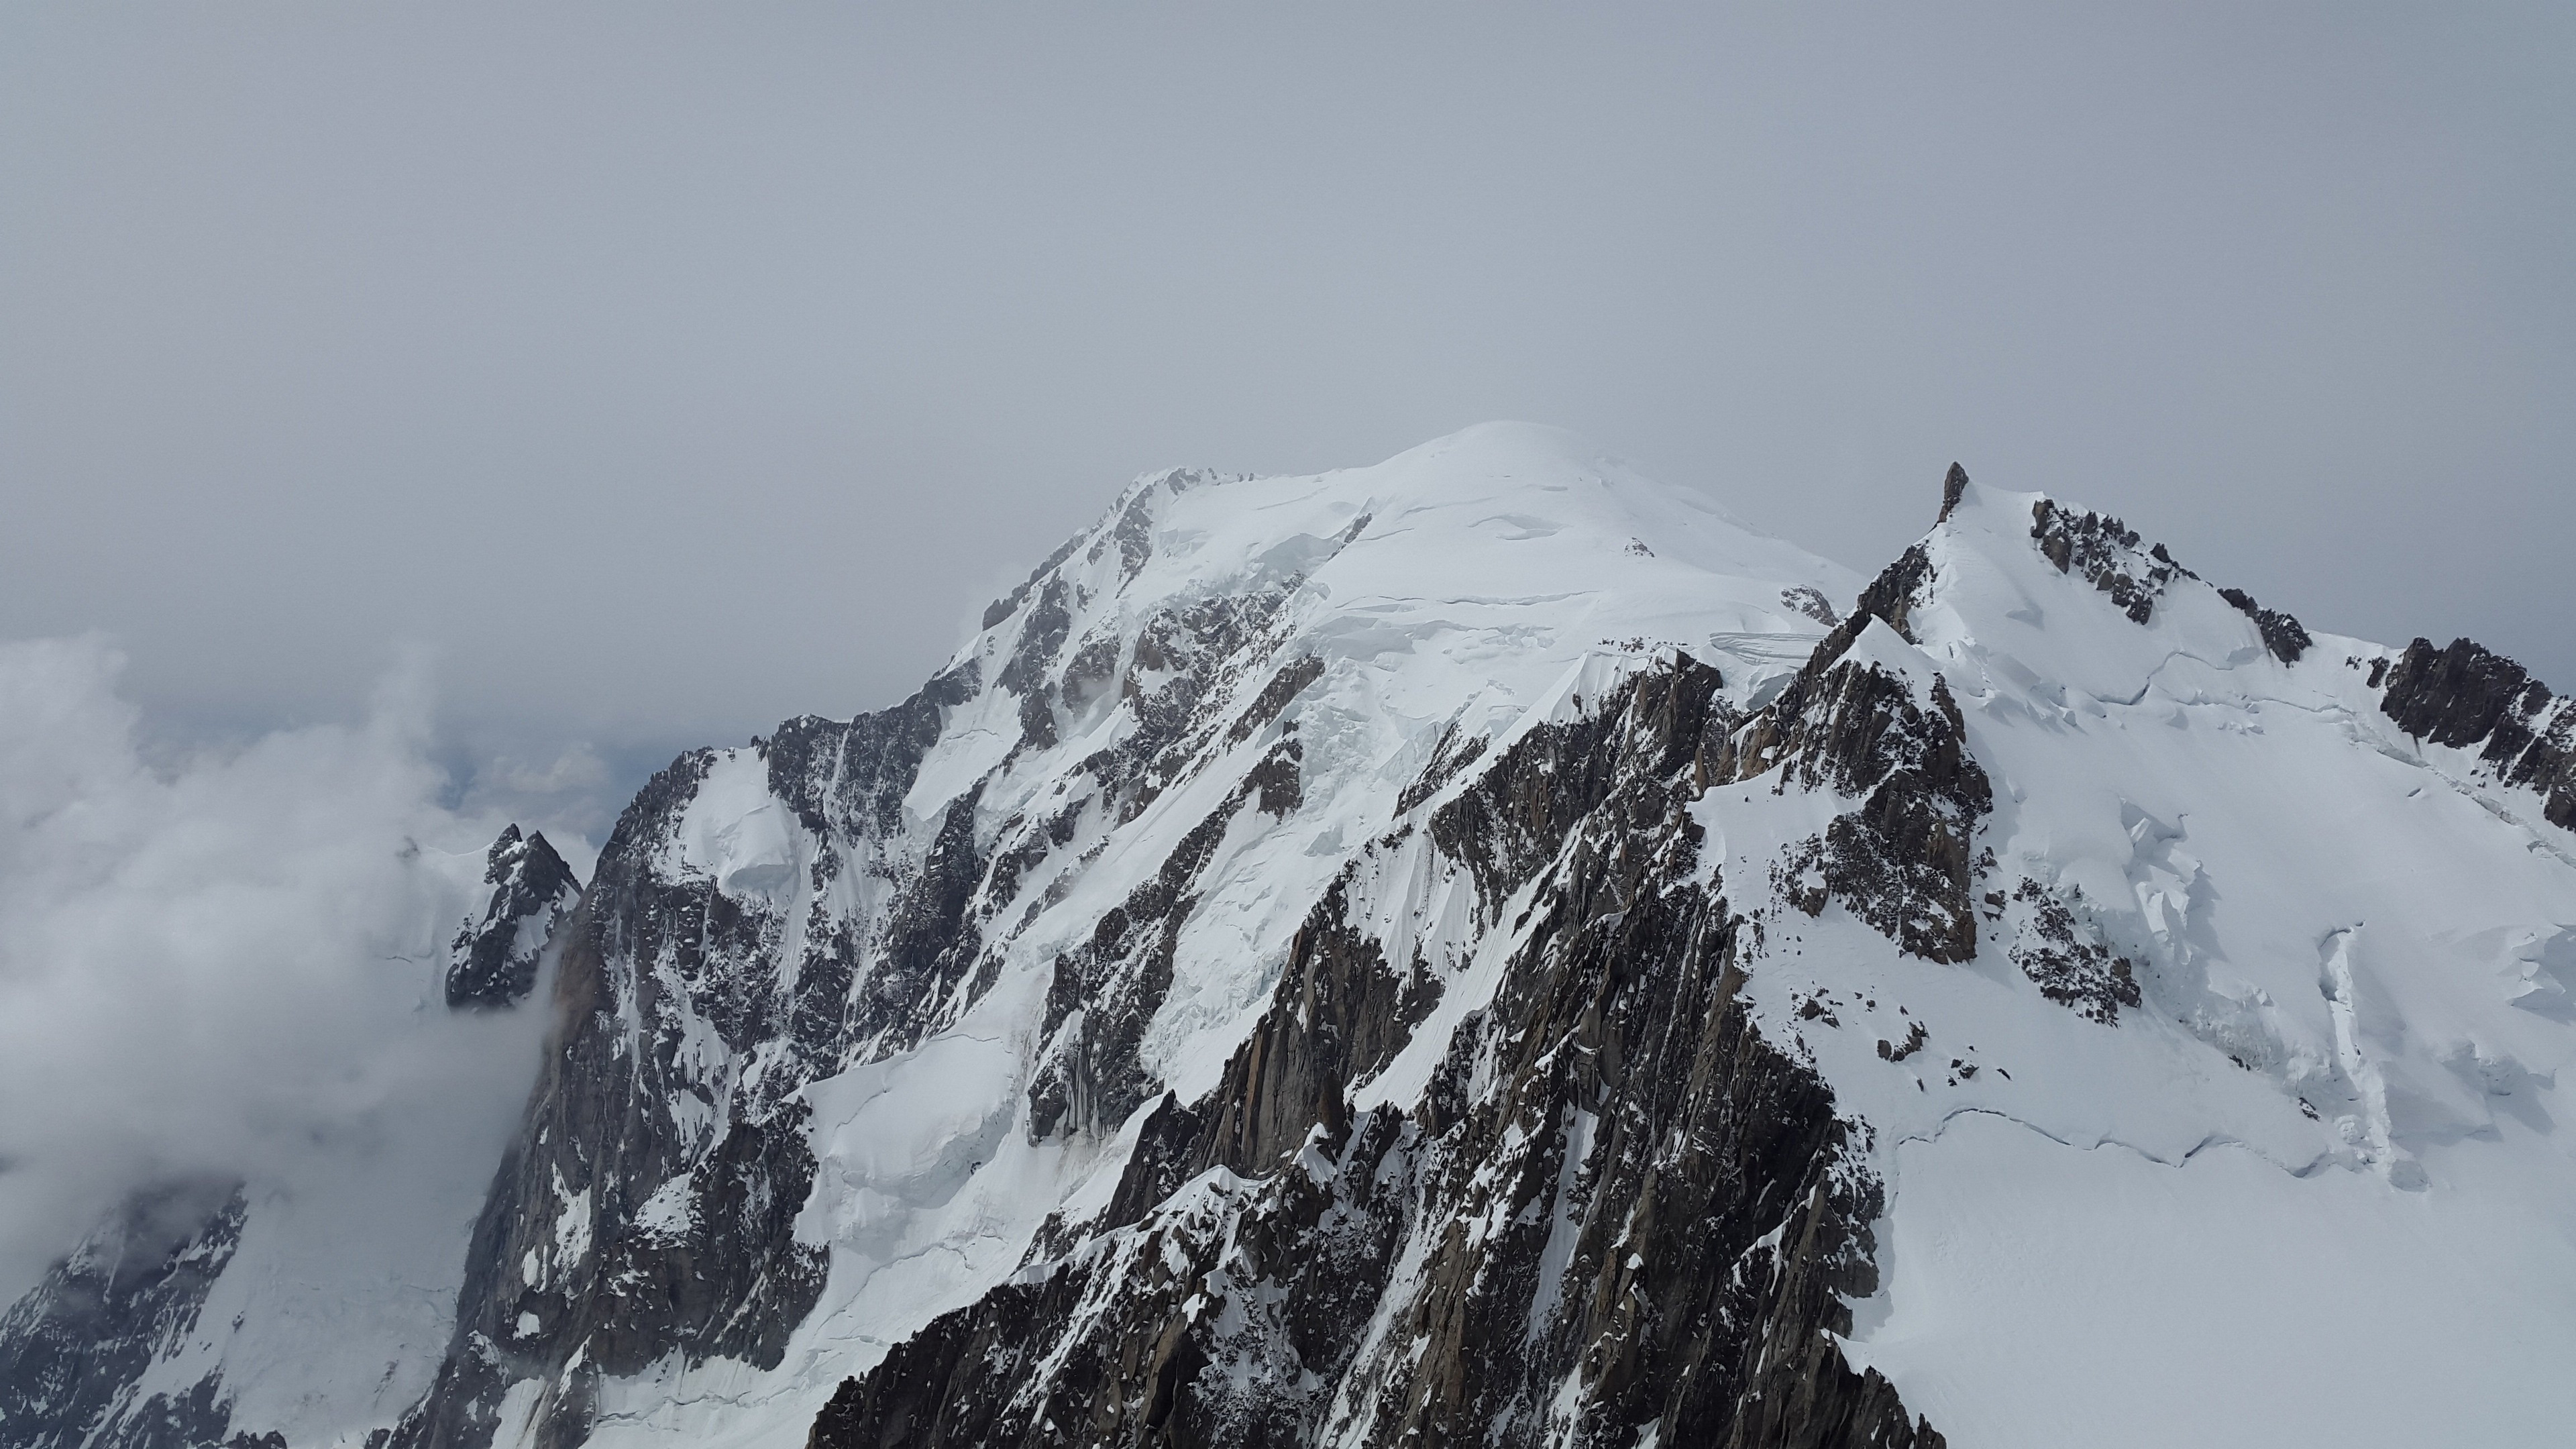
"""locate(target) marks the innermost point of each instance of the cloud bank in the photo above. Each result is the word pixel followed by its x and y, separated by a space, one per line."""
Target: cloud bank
pixel 228 964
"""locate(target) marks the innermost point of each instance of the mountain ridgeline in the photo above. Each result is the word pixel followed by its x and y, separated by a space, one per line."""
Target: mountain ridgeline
pixel 1487 949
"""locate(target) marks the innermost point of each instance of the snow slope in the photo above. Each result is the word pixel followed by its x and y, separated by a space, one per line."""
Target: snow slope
pixel 2309 1189
pixel 2195 1031
pixel 1483 946
pixel 1245 674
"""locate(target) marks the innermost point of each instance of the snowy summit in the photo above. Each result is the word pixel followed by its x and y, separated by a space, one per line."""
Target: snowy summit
pixel 1488 948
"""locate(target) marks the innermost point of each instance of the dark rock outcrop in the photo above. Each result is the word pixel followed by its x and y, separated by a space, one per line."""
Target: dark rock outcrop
pixel 1905 861
pixel 2469 697
pixel 1105 991
pixel 1341 1011
pixel 1890 599
pixel 851 775
pixel 1954 487
pixel 647 1205
pixel 493 962
pixel 1284 686
pixel 2104 552
pixel 1812 603
pixel 2282 635
pixel 1516 816
pixel 568 1276
pixel 1669 1220
pixel 2110 556
pixel 2071 963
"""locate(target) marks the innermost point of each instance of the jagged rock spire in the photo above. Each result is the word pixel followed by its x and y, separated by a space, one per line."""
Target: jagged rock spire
pixel 1953 488
pixel 493 962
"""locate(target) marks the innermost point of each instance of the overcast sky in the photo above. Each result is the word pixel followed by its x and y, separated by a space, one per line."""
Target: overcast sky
pixel 664 371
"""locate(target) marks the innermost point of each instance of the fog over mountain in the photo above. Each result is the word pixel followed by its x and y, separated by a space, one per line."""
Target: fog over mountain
pixel 1481 945
pixel 219 966
pixel 616 831
pixel 667 373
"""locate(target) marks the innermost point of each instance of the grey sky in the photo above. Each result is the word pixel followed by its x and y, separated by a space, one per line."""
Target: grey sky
pixel 665 371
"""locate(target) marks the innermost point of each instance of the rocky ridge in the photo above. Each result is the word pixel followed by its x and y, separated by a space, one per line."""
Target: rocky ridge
pixel 1185 720
pixel 2470 698
pixel 1615 1210
pixel 1627 1206
pixel 493 961
pixel 1482 948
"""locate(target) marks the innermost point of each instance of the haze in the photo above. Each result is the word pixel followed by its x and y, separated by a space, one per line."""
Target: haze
pixel 660 372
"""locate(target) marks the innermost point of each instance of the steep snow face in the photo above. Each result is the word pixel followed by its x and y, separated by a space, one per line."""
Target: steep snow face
pixel 2087 1004
pixel 924 973
pixel 1606 1212
pixel 2241 1124
pixel 1436 602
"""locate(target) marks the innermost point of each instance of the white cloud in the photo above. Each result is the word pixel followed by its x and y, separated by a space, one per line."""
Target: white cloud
pixel 230 965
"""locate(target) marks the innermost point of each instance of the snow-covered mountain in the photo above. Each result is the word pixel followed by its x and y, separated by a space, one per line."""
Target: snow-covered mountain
pixel 1485 947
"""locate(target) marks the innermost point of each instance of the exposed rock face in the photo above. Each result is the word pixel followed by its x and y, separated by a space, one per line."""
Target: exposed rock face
pixel 649 1206
pixel 2282 634
pixel 2072 964
pixel 1811 603
pixel 493 962
pixel 2471 698
pixel 1954 488
pixel 1681 1222
pixel 1890 599
pixel 2104 552
pixel 1905 860
pixel 72 1350
pixel 762 923
pixel 1337 962
pixel 1108 988
pixel 613 1235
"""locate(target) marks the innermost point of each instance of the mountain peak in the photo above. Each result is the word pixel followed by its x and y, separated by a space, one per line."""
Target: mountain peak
pixel 1953 488
pixel 1476 945
pixel 1507 445
pixel 1500 531
pixel 492 962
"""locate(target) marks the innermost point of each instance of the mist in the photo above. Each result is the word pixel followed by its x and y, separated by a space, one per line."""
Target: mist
pixel 648 375
pixel 665 372
pixel 227 966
